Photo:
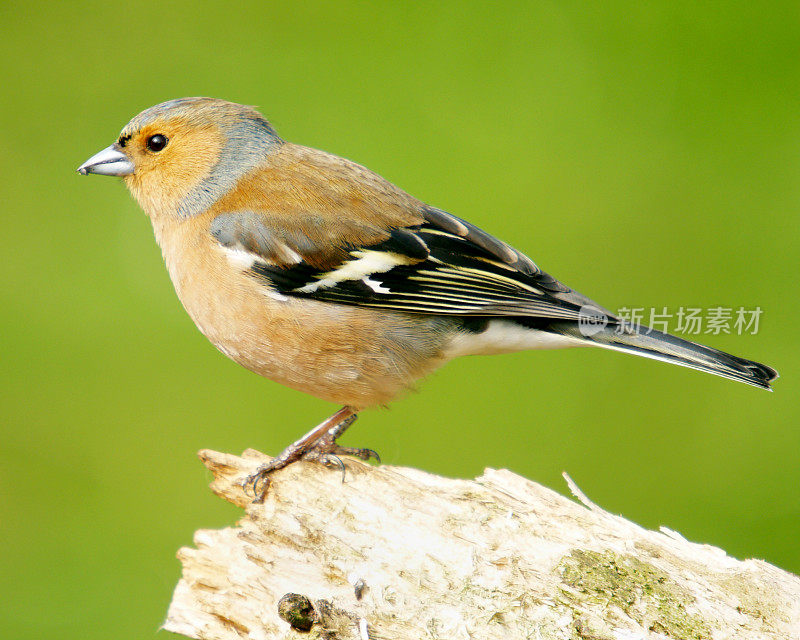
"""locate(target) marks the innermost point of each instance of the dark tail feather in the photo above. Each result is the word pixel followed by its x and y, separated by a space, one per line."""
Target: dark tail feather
pixel 662 346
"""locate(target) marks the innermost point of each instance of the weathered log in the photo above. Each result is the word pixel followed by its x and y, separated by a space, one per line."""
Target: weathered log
pixel 395 553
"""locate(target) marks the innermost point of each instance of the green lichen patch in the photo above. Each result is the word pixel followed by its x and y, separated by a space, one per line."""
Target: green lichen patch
pixel 641 591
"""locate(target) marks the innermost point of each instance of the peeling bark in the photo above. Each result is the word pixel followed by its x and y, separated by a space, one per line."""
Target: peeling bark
pixel 395 553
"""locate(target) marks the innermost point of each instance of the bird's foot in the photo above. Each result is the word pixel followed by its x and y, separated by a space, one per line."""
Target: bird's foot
pixel 327 453
pixel 318 445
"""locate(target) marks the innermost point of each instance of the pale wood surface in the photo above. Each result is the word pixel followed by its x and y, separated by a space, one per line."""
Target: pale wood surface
pixel 495 557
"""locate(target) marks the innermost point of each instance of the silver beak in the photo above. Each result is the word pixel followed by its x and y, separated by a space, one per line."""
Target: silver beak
pixel 108 162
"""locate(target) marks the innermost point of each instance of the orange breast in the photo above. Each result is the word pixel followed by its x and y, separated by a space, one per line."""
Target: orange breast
pixel 349 355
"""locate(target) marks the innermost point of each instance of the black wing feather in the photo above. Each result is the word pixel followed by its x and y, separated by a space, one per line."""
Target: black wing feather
pixel 445 266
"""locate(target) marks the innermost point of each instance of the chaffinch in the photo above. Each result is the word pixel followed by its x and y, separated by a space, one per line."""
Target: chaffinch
pixel 317 273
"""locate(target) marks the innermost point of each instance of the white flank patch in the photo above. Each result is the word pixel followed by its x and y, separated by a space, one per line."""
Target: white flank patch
pixel 275 295
pixel 365 264
pixel 240 258
pixel 287 254
pixel 502 336
pixel 245 260
pixel 376 286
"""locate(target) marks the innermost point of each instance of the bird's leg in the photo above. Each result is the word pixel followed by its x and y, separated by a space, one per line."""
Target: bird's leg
pixel 259 481
pixel 326 445
pixel 318 445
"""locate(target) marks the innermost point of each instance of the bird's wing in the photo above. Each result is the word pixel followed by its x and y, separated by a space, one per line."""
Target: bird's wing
pixel 440 266
pixel 361 241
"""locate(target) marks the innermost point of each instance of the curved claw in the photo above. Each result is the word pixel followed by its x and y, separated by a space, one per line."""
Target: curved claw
pixel 245 485
pixel 331 459
pixel 371 453
pixel 250 485
pixel 356 452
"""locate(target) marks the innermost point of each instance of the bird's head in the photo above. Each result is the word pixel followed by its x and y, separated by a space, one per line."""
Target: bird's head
pixel 178 157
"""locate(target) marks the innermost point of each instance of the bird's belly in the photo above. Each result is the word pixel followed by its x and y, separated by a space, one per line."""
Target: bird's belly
pixel 335 352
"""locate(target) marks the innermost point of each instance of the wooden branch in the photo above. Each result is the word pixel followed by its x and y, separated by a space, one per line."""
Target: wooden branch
pixel 399 554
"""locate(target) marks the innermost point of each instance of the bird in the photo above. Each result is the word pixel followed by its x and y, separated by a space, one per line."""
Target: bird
pixel 317 273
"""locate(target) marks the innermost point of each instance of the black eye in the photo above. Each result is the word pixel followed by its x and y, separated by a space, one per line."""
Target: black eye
pixel 157 142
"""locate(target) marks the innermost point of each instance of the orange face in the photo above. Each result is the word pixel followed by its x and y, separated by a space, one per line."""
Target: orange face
pixel 180 156
pixel 171 156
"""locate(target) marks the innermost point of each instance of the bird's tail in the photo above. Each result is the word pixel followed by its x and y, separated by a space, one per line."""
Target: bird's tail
pixel 651 343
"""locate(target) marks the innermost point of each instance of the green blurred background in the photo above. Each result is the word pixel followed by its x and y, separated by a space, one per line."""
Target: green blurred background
pixel 644 153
